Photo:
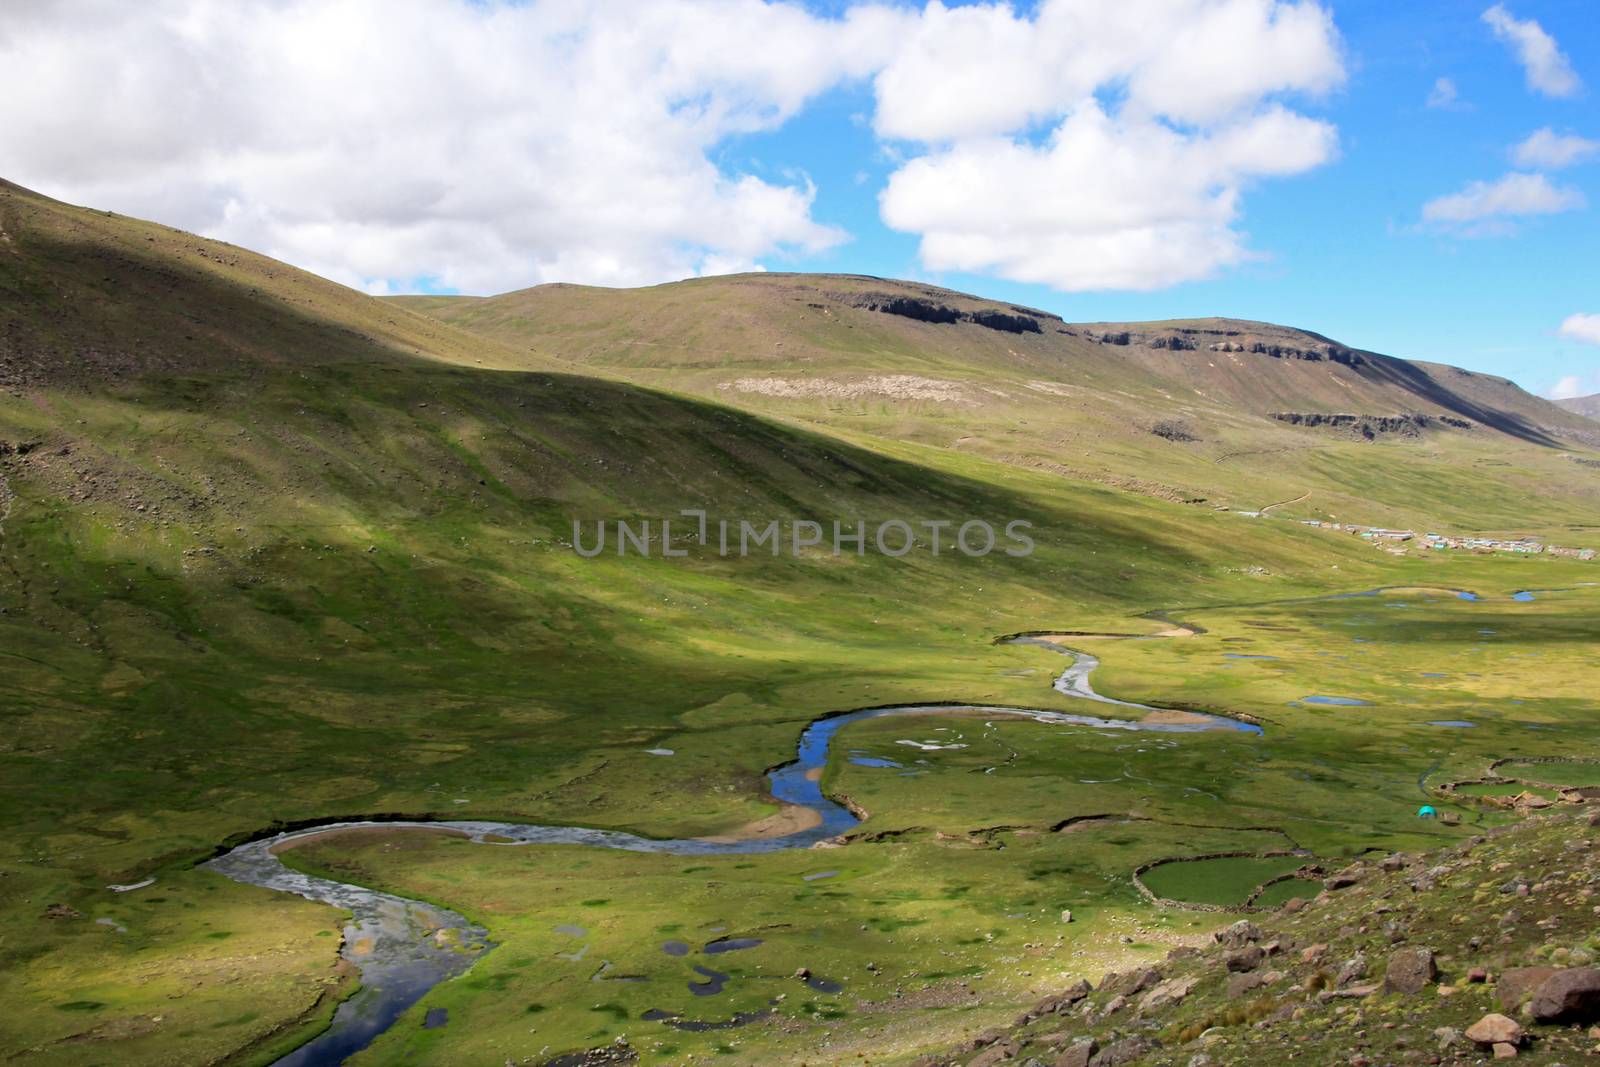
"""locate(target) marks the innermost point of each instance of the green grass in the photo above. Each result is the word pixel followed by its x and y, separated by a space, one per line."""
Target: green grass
pixel 1225 880
pixel 1279 893
pixel 1555 772
pixel 292 555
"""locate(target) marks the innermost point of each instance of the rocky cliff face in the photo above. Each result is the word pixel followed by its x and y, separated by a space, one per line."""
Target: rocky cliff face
pixel 1371 427
pixel 1018 320
pixel 1179 338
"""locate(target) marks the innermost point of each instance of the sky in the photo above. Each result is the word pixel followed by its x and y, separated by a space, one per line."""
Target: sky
pixel 1416 178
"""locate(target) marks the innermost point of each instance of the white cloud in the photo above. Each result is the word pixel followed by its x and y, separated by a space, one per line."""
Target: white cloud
pixel 1515 195
pixel 984 70
pixel 491 144
pixel 1138 194
pixel 1550 150
pixel 486 145
pixel 1581 327
pixel 1567 388
pixel 1444 94
pixel 1104 203
pixel 1547 68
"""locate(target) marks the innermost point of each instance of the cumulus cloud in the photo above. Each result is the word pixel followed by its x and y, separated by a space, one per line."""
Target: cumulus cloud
pixel 1581 327
pixel 489 144
pixel 1546 67
pixel 485 145
pixel 1028 172
pixel 1105 202
pixel 1485 208
pixel 1550 150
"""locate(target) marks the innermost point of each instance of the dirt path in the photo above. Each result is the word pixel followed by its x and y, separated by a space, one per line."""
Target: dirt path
pixel 1283 503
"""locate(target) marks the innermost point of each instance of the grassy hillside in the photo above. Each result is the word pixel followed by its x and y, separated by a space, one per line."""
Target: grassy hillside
pixel 1183 410
pixel 91 297
pixel 1587 406
pixel 273 551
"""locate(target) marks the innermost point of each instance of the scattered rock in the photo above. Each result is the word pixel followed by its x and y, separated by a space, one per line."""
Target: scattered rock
pixel 1079 1054
pixel 1240 984
pixel 1570 996
pixel 998 1052
pixel 61 911
pixel 1495 1029
pixel 1354 969
pixel 1239 934
pixel 1125 1051
pixel 1167 993
pixel 1062 1001
pixel 1343 879
pixel 1245 959
pixel 1136 981
pixel 1516 984
pixel 1410 971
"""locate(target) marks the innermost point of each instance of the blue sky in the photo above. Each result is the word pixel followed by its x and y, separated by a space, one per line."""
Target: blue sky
pixel 1348 166
pixel 1346 254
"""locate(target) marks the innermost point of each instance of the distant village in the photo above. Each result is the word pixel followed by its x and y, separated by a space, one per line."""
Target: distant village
pixel 1395 539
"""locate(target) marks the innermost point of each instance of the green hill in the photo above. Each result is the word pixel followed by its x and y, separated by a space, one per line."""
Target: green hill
pixel 1216 410
pixel 1587 406
pixel 273 552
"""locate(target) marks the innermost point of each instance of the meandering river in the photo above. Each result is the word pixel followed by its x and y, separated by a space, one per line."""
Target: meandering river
pixel 405 947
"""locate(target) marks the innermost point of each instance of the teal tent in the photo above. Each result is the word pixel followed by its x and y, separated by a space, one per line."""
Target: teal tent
pixel 1426 812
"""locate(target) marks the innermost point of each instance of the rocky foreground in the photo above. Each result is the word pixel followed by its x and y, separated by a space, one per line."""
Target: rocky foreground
pixel 1482 951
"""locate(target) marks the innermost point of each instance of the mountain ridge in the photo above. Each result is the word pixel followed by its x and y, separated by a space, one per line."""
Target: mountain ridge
pixel 1587 406
pixel 555 316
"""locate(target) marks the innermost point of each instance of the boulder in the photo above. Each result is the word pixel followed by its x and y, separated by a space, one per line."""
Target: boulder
pixel 1125 1051
pixel 1238 935
pixel 1130 982
pixel 1240 984
pixel 997 1053
pixel 1495 1029
pixel 1078 1054
pixel 1169 992
pixel 1060 1002
pixel 1410 971
pixel 1245 959
pixel 1570 996
pixel 1354 969
pixel 1515 984
pixel 992 1055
